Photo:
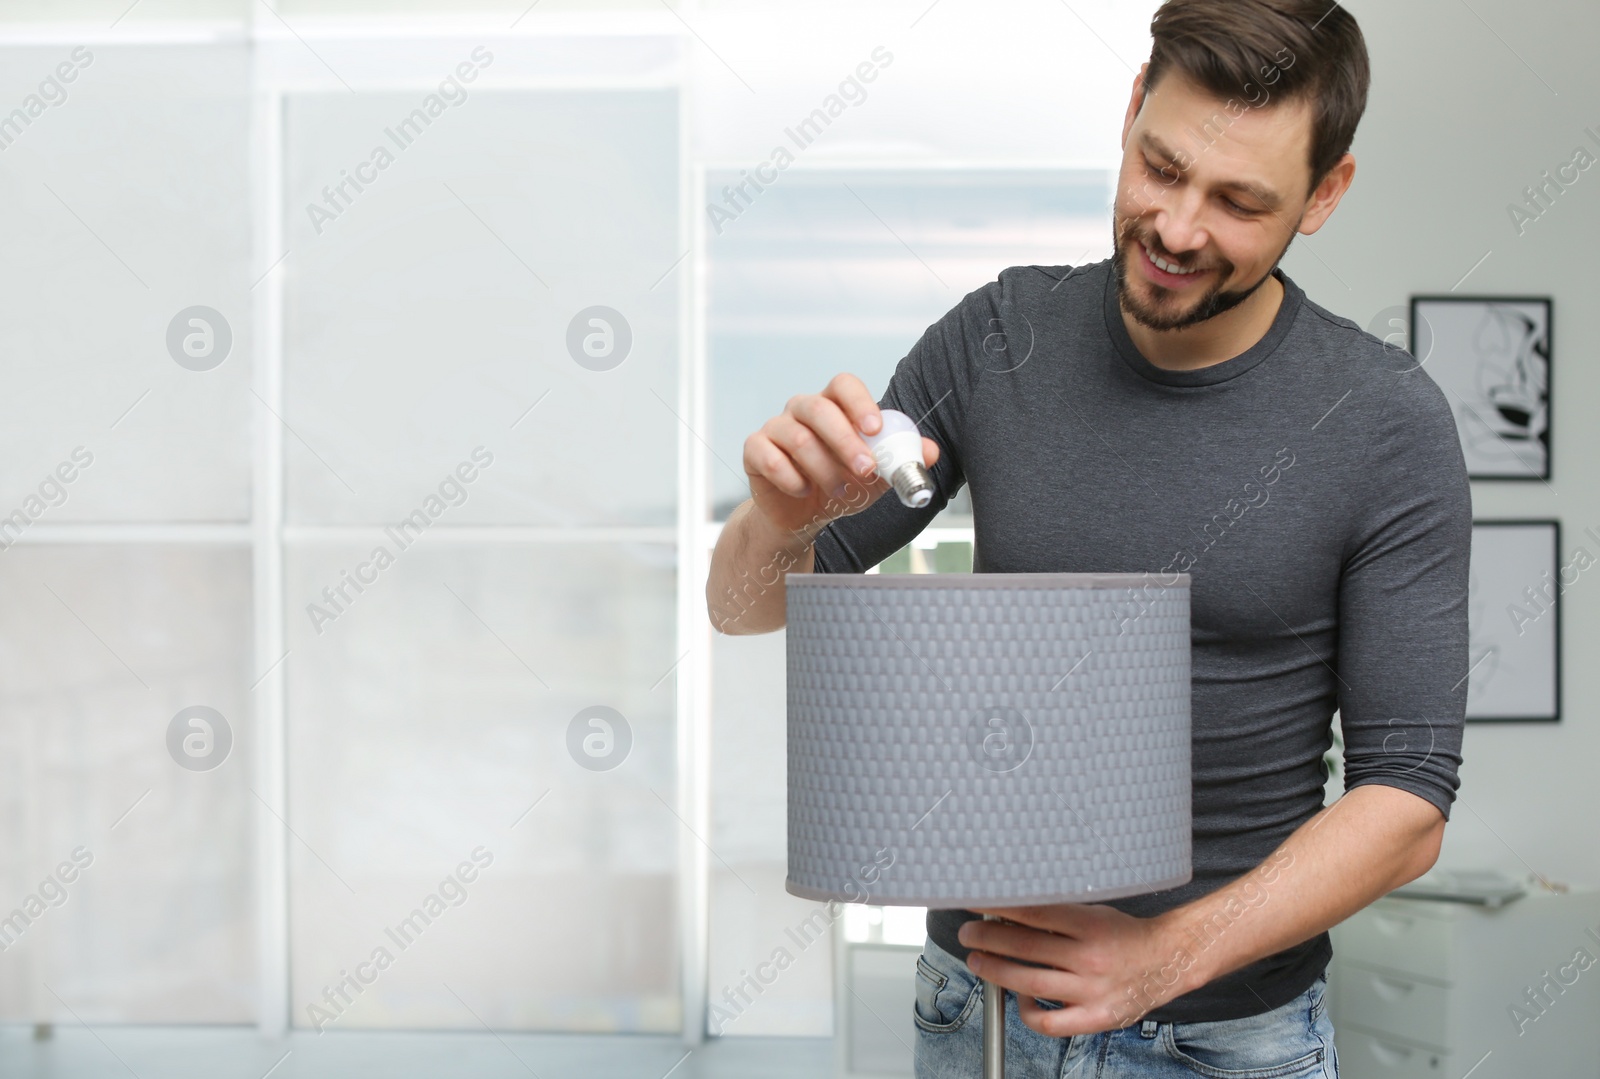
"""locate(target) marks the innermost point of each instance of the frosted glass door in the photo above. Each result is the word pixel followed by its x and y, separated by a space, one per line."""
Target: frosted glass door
pixel 482 338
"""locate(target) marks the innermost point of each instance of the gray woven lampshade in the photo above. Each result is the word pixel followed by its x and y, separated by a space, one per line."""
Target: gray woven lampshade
pixel 960 740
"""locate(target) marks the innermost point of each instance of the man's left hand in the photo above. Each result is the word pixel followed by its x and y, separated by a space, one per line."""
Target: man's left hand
pixel 1106 968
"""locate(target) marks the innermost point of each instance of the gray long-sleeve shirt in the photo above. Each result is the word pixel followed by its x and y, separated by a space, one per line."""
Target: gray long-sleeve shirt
pixel 1313 487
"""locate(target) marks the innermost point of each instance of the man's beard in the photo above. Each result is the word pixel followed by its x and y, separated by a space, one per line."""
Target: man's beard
pixel 1212 304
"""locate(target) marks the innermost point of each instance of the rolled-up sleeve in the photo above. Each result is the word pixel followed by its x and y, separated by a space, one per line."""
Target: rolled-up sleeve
pixel 1403 641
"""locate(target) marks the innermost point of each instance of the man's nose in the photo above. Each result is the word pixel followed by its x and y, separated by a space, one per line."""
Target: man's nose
pixel 1178 225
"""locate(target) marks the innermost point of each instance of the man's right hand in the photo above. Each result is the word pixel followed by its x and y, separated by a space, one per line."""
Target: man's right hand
pixel 809 465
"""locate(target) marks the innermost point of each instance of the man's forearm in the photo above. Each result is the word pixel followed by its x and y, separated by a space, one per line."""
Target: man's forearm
pixel 1365 845
pixel 745 591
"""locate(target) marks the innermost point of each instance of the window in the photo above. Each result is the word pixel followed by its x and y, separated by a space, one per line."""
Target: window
pixel 841 270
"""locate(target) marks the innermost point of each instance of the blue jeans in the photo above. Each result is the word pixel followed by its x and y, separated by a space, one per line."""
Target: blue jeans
pixel 1294 1041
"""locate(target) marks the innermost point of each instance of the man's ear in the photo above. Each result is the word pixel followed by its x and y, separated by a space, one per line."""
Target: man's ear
pixel 1325 199
pixel 1135 102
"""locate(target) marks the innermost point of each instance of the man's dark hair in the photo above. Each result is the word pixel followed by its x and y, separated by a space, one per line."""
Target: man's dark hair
pixel 1230 48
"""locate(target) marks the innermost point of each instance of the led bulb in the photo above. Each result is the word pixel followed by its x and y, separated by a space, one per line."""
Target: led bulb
pixel 898 451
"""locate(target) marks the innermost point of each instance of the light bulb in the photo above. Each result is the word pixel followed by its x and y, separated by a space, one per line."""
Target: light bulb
pixel 897 447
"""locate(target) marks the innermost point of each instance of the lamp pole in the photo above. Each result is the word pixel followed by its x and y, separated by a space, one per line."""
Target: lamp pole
pixel 994 1026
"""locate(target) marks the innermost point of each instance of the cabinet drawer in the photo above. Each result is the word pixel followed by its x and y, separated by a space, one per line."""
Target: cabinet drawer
pixel 1396 939
pixel 1367 1055
pixel 1394 1004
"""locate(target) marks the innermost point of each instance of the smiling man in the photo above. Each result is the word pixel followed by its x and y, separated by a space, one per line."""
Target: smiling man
pixel 1183 407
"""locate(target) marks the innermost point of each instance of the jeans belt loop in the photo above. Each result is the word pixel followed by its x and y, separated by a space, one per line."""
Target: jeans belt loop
pixel 1148 1028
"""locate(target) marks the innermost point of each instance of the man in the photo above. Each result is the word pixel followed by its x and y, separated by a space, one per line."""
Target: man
pixel 1183 407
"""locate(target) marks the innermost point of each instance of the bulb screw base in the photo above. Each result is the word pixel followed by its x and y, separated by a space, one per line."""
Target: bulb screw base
pixel 913 484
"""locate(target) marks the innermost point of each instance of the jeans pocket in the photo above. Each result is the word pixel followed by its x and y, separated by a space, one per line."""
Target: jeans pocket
pixel 1279 1044
pixel 947 992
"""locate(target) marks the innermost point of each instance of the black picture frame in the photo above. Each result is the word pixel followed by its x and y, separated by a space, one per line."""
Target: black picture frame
pixel 1493 357
pixel 1509 557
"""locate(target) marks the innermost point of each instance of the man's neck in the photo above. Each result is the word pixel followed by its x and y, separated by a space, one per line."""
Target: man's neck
pixel 1206 344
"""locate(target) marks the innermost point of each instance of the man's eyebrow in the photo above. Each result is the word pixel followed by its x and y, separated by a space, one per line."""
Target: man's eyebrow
pixel 1255 190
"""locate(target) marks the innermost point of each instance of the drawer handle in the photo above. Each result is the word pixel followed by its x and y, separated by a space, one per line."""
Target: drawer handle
pixel 1390 1055
pixel 1391 924
pixel 1391 988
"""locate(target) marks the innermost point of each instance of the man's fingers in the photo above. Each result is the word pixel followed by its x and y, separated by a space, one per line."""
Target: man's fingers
pixel 813 457
pixel 1046 982
pixel 1061 918
pixel 1072 992
pixel 764 460
pixel 930 452
pixel 827 419
pixel 1064 1022
pixel 1018 942
pixel 851 395
pixel 816 447
pixel 1068 919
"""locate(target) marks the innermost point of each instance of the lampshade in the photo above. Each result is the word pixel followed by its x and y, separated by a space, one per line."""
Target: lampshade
pixel 960 740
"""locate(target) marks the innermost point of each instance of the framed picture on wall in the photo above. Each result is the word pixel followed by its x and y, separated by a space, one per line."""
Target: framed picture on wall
pixel 1514 621
pixel 1491 356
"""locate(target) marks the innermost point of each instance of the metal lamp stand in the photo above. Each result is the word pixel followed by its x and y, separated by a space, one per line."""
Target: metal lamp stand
pixel 994 1025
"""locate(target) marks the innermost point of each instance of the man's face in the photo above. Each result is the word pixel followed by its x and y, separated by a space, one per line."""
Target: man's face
pixel 1228 210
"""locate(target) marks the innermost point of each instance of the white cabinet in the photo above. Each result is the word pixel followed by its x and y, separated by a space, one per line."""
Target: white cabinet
pixel 875 990
pixel 1423 989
